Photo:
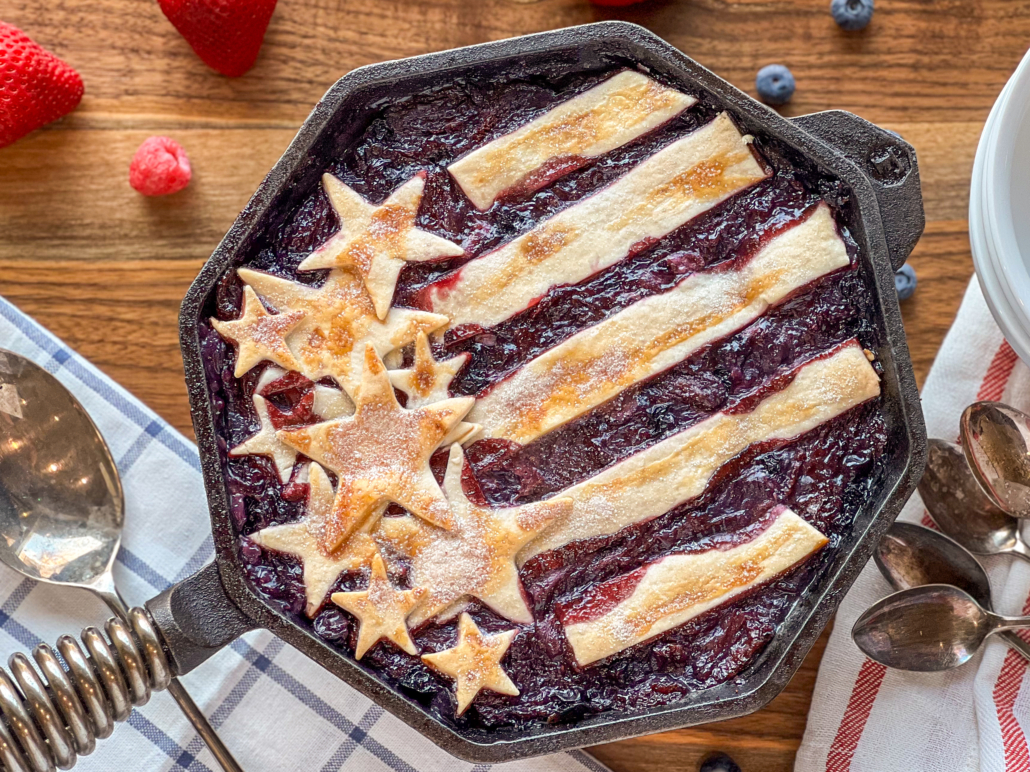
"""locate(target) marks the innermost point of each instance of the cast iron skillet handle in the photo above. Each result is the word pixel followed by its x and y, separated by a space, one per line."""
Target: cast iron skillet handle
pixel 196 619
pixel 890 164
pixel 54 712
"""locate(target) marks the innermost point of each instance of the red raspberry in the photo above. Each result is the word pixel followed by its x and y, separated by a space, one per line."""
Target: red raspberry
pixel 35 86
pixel 159 167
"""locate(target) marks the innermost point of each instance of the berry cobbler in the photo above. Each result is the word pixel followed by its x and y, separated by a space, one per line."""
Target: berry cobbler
pixel 552 398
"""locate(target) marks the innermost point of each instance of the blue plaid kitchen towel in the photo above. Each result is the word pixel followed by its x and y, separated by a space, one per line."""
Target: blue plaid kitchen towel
pixel 275 709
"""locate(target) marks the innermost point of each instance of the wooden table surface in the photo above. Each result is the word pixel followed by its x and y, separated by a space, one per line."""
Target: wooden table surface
pixel 105 268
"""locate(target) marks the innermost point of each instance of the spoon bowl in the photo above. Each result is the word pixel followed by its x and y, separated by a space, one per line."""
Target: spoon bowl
pixel 931 628
pixel 910 555
pixel 61 502
pixel 996 442
pixel 959 506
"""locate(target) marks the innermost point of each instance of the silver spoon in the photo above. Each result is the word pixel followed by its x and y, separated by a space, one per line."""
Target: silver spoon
pixel 910 555
pixel 996 441
pixel 960 508
pixel 930 628
pixel 61 503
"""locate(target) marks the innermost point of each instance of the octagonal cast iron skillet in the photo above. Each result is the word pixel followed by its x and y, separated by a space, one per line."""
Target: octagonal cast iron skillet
pixel 202 614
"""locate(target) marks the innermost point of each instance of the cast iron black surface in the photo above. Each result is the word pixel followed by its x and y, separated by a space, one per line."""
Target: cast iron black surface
pixel 885 217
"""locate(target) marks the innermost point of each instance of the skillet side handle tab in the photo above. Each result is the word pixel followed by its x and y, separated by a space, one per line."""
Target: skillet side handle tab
pixel 196 619
pixel 891 166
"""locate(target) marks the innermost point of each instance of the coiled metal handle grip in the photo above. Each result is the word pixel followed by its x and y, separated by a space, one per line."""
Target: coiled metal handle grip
pixel 51 717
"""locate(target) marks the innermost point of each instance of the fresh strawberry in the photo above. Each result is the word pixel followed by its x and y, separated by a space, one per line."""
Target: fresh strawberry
pixel 226 34
pixel 35 86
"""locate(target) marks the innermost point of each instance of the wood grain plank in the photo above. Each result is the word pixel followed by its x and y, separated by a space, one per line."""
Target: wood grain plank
pixel 65 194
pixel 106 269
pixel 944 266
pixel 946 59
pixel 756 742
pixel 122 315
pixel 945 151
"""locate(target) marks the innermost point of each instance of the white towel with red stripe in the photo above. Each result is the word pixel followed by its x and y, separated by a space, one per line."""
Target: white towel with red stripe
pixel 865 718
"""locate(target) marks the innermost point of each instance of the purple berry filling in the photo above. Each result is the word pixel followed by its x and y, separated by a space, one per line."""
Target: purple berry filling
pixel 823 476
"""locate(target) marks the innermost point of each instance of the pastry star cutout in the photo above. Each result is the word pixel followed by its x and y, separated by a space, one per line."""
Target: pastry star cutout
pixel 302 540
pixel 477 556
pixel 259 335
pixel 376 241
pixel 381 609
pixel 428 381
pixel 381 454
pixel 475 662
pixel 338 322
pixel 266 443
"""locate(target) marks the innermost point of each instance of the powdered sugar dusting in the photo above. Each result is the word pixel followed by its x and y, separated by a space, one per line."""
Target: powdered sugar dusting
pixel 678 588
pixel 656 333
pixel 476 556
pixel 679 468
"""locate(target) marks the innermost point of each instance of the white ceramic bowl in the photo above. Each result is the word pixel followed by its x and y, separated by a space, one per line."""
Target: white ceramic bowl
pixel 999 211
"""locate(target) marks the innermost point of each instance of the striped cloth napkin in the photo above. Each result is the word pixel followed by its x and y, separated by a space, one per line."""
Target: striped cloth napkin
pixel 865 718
pixel 276 710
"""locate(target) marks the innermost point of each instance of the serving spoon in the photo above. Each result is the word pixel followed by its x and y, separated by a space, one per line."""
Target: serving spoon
pixel 910 555
pixel 962 510
pixel 930 628
pixel 996 441
pixel 61 502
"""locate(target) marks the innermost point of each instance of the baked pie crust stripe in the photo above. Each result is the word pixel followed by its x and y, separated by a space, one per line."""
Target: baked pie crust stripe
pixel 678 469
pixel 671 187
pixel 657 332
pixel 677 588
pixel 597 121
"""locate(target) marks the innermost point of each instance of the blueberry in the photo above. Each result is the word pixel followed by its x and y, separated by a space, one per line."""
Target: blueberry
pixel 852 14
pixel 719 762
pixel 905 282
pixel 332 625
pixel 775 84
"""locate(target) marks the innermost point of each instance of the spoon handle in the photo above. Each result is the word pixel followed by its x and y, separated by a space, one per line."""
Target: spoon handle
pixel 207 732
pixel 1020 550
pixel 56 710
pixel 108 592
pixel 1003 623
pixel 1016 643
